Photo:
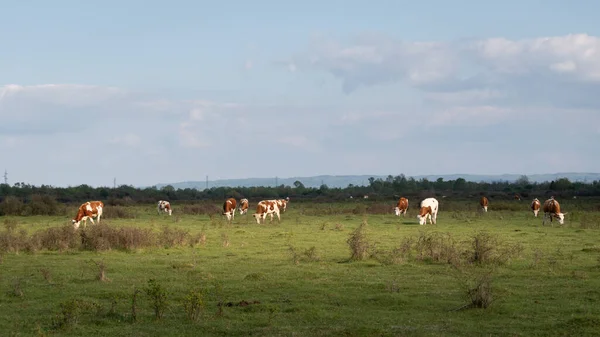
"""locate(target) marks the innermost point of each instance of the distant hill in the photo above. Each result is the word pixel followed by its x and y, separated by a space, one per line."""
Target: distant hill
pixel 360 180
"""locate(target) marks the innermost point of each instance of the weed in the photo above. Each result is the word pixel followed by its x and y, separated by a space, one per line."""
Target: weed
pixel 193 304
pixel 225 239
pixel 158 295
pixel 136 292
pixel 101 276
pixel 46 274
pixel 437 247
pixel 17 289
pixel 359 244
pixel 479 292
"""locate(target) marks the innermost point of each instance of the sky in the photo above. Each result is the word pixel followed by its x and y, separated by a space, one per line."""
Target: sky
pixel 152 92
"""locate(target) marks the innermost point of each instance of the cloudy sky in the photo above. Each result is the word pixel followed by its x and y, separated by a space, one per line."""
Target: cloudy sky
pixel 152 91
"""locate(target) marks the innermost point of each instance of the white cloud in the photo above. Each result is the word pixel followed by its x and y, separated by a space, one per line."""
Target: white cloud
pixel 485 64
pixel 501 99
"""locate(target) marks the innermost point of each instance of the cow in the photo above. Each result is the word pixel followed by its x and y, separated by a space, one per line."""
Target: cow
pixel 282 204
pixel 164 206
pixel 517 197
pixel 402 207
pixel 264 208
pixel 229 207
pixel 88 210
pixel 243 206
pixel 535 207
pixel 429 209
pixel 484 203
pixel 552 210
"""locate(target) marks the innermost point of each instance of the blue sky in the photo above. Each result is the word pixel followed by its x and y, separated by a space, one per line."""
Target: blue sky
pixel 165 91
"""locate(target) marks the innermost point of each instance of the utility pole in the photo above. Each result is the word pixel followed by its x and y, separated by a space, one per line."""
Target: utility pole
pixel 276 181
pixel 5 177
pixel 115 182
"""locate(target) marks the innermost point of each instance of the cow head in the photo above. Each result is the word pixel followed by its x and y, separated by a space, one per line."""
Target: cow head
pixel 560 217
pixel 397 211
pixel 258 217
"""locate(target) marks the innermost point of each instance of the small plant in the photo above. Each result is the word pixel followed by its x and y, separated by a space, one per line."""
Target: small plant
pixel 479 292
pixel 46 274
pixel 134 304
pixel 294 254
pixel 358 242
pixel 225 239
pixel 311 254
pixel 17 289
pixel 69 314
pixel 158 296
pixel 193 304
pixel 219 295
pixel 101 276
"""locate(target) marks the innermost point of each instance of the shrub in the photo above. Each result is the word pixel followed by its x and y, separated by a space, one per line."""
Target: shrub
pixel 193 304
pixel 44 205
pixel 359 244
pixel 436 247
pixel 11 206
pixel 158 295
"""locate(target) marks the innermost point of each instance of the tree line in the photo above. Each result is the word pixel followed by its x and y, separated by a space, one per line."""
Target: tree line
pixel 377 189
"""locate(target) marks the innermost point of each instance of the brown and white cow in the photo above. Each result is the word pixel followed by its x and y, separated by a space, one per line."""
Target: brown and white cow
pixel 282 204
pixel 243 206
pixel 535 206
pixel 428 209
pixel 229 207
pixel 484 203
pixel 402 206
pixel 552 210
pixel 164 206
pixel 517 197
pixel 88 210
pixel 264 208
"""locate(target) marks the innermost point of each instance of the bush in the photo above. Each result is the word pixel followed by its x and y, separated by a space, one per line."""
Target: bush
pixel 359 244
pixel 11 206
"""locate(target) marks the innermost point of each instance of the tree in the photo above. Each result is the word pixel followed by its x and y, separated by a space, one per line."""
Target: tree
pixel 522 181
pixel 298 184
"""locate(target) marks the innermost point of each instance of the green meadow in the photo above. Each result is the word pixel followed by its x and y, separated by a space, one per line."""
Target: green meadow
pixel 326 269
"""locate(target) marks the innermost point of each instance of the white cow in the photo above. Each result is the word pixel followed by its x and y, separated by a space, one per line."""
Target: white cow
pixel 164 206
pixel 429 209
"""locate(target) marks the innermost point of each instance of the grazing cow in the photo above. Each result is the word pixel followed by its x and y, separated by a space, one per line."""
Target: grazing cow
pixel 429 209
pixel 91 210
pixel 402 207
pixel 484 203
pixel 229 207
pixel 552 210
pixel 535 207
pixel 282 204
pixel 264 208
pixel 164 206
pixel 517 197
pixel 243 206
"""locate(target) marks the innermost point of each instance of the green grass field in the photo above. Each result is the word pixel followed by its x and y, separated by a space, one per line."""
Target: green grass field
pixel 297 277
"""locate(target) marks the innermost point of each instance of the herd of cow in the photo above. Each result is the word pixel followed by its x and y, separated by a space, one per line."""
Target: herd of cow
pixel 428 209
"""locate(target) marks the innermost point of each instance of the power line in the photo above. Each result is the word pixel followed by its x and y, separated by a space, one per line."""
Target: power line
pixel 5 177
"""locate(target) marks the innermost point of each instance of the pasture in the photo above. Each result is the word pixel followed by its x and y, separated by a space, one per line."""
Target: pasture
pixel 327 269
